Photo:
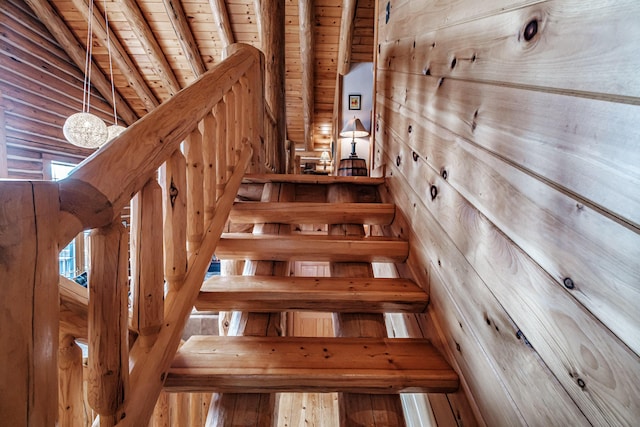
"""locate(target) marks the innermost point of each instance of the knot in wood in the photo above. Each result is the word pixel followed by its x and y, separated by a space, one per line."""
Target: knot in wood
pixel 530 30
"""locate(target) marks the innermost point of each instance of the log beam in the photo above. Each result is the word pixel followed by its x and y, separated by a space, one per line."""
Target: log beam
pixel 305 8
pixel 346 35
pixel 143 32
pixel 185 36
pixel 58 28
pixel 221 19
pixel 120 57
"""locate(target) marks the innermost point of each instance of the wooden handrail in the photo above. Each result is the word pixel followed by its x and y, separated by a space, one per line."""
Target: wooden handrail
pixel 97 190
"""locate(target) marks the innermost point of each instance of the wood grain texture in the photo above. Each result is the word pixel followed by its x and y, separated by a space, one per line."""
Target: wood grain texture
pixel 312 213
pixel 29 320
pixel 265 363
pixel 71 410
pixel 265 293
pixel 311 248
pixel 311 179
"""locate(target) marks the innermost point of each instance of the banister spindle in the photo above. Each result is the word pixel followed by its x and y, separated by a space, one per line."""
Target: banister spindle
pixel 71 410
pixel 232 128
pixel 108 332
pixel 147 280
pixel 240 128
pixel 220 112
pixel 174 177
pixel 209 133
pixel 195 202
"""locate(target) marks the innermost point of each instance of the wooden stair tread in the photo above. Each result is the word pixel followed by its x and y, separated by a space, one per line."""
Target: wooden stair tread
pixel 311 179
pixel 330 294
pixel 312 213
pixel 312 248
pixel 309 364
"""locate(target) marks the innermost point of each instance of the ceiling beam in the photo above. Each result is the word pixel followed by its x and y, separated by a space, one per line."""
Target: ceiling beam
pixel 119 55
pixel 143 32
pixel 347 24
pixel 221 18
pixel 305 8
pixel 63 35
pixel 185 36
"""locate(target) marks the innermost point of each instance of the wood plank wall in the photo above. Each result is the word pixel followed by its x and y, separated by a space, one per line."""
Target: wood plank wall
pixel 40 88
pixel 509 131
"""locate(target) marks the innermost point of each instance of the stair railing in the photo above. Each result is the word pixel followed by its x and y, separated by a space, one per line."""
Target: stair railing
pixel 180 166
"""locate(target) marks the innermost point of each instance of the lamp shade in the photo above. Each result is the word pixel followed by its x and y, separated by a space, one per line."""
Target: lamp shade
pixel 325 156
pixel 85 130
pixel 354 129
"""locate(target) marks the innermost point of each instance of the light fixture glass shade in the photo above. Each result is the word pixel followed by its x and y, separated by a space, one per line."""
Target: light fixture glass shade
pixel 325 156
pixel 354 129
pixel 85 130
pixel 113 131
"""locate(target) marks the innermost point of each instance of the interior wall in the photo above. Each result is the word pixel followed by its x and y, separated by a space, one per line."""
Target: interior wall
pixel 40 87
pixel 509 132
pixel 358 81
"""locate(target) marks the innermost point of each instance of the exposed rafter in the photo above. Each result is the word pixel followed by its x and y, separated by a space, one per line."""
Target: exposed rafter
pixel 119 54
pixel 185 36
pixel 149 43
pixel 221 19
pixel 77 53
pixel 346 35
pixel 307 60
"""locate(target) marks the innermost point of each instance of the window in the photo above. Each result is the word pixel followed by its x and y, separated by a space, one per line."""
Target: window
pixel 67 257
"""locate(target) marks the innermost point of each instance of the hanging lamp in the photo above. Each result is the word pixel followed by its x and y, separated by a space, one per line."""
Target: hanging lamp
pixel 85 129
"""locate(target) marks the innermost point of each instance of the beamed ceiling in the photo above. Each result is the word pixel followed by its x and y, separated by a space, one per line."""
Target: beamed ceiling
pixel 161 46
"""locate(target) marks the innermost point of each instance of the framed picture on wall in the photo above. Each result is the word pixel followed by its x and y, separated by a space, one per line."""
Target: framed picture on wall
pixel 354 102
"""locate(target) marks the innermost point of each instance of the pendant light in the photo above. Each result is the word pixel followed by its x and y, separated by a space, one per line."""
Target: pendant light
pixel 85 129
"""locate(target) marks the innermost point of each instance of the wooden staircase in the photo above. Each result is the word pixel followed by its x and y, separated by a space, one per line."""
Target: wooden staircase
pixel 361 362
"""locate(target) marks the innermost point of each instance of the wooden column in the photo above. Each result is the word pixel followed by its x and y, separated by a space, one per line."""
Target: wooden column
pixel 360 409
pixel 307 61
pixel 28 308
pixel 4 170
pixel 272 36
pixel 71 409
pixel 108 331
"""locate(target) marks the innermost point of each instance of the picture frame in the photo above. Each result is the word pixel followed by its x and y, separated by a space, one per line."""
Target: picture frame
pixel 355 101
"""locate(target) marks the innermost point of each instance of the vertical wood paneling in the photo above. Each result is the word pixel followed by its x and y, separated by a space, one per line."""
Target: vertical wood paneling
pixel 511 154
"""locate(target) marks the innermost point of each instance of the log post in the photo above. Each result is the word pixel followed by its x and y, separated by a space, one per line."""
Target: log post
pixel 209 132
pixel 147 281
pixel 161 417
pixel 28 308
pixel 360 409
pixel 71 409
pixel 307 61
pixel 195 201
pixel 220 113
pixel 108 329
pixel 175 220
pixel 4 169
pixel 273 38
pixel 221 19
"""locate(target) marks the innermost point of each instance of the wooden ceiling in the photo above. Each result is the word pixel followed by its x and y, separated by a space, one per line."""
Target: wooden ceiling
pixel 160 46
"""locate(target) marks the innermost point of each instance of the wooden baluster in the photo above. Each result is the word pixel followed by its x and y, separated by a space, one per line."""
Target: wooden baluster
pixel 147 280
pixel 240 128
pixel 232 125
pixel 108 331
pixel 209 134
pixel 179 404
pixel 174 178
pixel 71 409
pixel 220 113
pixel 250 125
pixel 195 202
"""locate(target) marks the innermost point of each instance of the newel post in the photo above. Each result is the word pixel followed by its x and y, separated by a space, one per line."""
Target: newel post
pixel 29 303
